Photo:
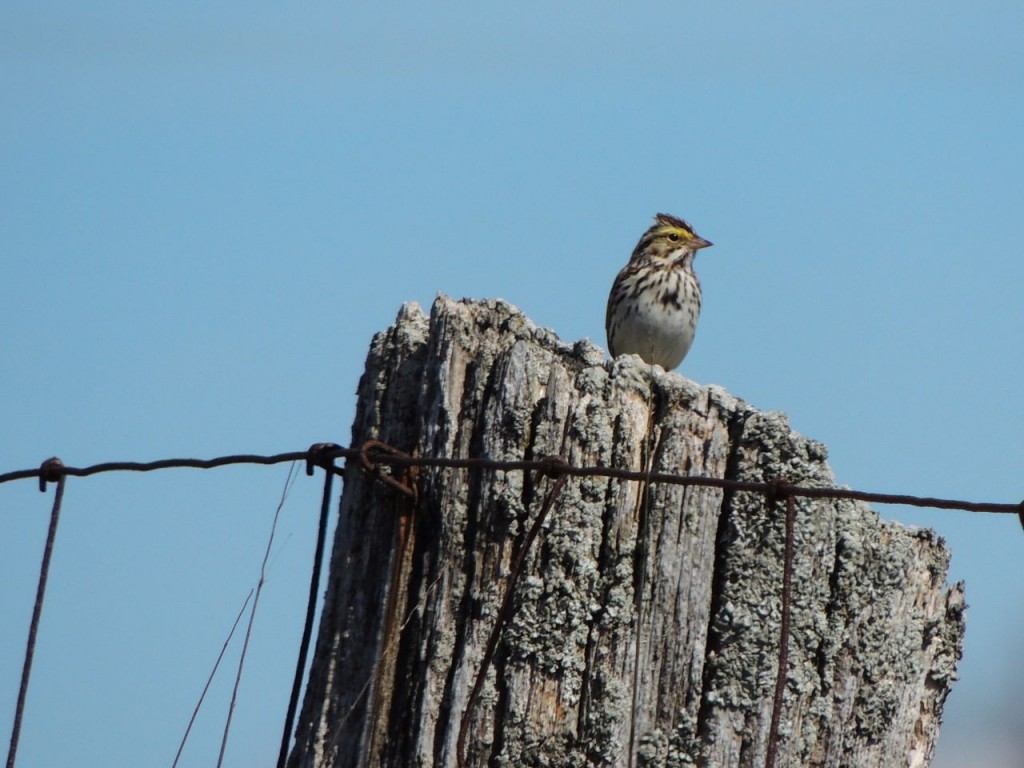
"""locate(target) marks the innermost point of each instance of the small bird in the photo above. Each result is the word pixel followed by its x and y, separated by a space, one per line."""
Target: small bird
pixel 655 299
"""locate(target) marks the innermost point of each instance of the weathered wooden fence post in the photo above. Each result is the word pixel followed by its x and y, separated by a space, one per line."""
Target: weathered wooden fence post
pixel 579 678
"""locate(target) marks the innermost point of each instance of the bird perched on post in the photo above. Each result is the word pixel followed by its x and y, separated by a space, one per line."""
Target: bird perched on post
pixel 655 300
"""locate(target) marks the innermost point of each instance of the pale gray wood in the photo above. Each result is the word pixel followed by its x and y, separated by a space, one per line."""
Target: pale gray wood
pixel 876 631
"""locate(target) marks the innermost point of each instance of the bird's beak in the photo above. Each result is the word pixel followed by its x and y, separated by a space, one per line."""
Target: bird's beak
pixel 700 242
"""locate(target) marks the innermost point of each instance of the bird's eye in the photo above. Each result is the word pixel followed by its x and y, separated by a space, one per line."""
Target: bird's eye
pixel 674 237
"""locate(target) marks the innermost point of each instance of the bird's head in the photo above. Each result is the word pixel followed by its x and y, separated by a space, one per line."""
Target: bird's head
pixel 668 238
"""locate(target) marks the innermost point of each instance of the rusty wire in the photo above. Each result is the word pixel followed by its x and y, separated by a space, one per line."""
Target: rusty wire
pixel 372 455
pixel 378 454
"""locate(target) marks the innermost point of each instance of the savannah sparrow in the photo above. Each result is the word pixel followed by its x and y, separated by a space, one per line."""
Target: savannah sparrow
pixel 655 299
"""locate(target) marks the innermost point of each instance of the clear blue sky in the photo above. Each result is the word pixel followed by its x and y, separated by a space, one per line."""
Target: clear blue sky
pixel 208 209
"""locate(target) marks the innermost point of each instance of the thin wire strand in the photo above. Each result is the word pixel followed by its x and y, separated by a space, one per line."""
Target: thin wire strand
pixel 789 553
pixel 252 614
pixel 209 680
pixel 37 612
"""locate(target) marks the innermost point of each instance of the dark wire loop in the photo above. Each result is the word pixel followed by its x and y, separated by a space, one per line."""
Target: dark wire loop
pixel 321 455
pixel 372 448
pixel 1020 514
pixel 553 466
pixel 778 489
pixel 50 471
